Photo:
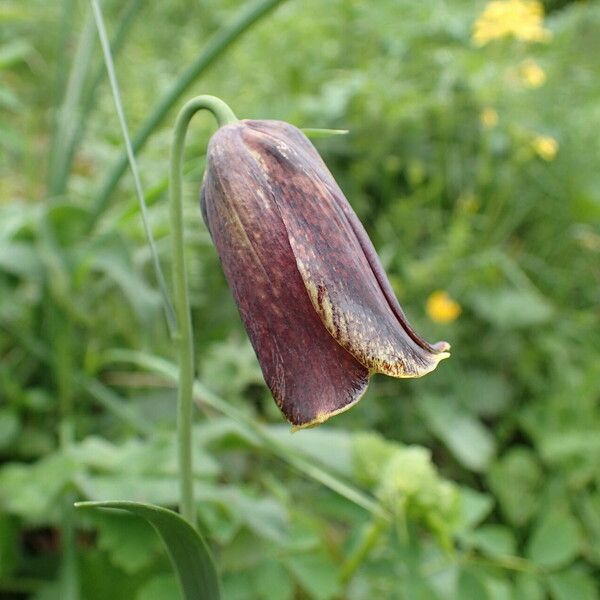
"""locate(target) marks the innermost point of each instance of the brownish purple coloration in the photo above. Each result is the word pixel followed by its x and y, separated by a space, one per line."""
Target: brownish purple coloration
pixel 314 298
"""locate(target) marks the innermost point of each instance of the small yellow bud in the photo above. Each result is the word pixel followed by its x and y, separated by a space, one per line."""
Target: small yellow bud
pixel 441 308
pixel 545 146
pixel 532 74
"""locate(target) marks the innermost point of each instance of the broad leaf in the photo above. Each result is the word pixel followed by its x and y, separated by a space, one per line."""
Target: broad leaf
pixel 464 435
pixel 189 553
pixel 555 540
pixel 512 309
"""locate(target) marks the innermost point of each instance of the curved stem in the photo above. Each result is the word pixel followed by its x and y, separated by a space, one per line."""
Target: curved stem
pixel 183 338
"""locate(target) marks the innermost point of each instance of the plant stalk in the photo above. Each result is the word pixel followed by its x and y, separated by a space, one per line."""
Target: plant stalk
pixel 369 538
pixel 183 336
pixel 130 152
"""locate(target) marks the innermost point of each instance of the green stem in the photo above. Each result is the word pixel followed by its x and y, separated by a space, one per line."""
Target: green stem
pixel 369 538
pixel 183 337
pixel 112 77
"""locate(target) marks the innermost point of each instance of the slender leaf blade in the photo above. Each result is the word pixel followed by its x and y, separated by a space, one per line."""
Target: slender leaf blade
pixel 316 133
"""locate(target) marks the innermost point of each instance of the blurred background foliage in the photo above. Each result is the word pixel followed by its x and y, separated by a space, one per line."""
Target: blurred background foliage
pixel 474 161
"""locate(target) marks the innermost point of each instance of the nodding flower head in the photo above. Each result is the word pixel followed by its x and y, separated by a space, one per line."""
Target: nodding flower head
pixel 311 291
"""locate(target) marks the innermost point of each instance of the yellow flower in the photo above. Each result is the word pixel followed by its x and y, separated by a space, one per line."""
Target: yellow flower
pixel 441 308
pixel 545 146
pixel 523 19
pixel 488 118
pixel 531 73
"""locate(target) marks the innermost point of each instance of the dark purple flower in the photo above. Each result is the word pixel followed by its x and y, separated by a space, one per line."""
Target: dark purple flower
pixel 311 291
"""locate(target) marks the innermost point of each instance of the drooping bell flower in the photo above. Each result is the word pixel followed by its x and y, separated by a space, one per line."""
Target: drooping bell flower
pixel 311 291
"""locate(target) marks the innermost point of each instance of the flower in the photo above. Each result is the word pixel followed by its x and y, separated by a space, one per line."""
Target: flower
pixel 312 294
pixel 441 308
pixel 523 19
pixel 545 146
pixel 531 73
pixel 488 117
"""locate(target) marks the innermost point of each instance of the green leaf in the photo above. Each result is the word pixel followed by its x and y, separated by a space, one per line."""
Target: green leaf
pixel 159 588
pixel 483 393
pixel 555 540
pixel 467 439
pixel 189 553
pixel 330 447
pixel 316 573
pixel 113 259
pixel 20 258
pixel 528 586
pixel 101 579
pixel 494 540
pixel 474 507
pixel 498 589
pixel 509 308
pixel 515 479
pixel 471 586
pixel 315 133
pixel 9 427
pixel 264 435
pixel 14 53
pixel 571 584
pixel 264 516
pixel 273 582
pixel 130 541
pixel 33 491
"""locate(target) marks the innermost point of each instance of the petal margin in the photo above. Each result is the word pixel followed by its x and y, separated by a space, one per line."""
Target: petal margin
pixel 336 259
pixel 311 376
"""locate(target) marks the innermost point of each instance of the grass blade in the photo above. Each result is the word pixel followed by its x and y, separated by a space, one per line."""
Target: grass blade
pixel 213 50
pixel 315 133
pixel 169 312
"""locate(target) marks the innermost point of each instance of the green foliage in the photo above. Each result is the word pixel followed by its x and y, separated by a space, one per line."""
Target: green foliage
pixel 188 552
pixel 479 481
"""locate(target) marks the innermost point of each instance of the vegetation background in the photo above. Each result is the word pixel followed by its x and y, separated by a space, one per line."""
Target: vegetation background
pixel 473 159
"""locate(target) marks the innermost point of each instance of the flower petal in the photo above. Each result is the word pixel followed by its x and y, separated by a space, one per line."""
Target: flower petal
pixel 310 375
pixel 339 266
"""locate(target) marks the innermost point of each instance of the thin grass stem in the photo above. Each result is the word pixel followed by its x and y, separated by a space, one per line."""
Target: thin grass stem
pixel 216 46
pixel 168 307
pixel 126 20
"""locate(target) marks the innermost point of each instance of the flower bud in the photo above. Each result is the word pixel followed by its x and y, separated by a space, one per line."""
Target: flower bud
pixel 311 291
